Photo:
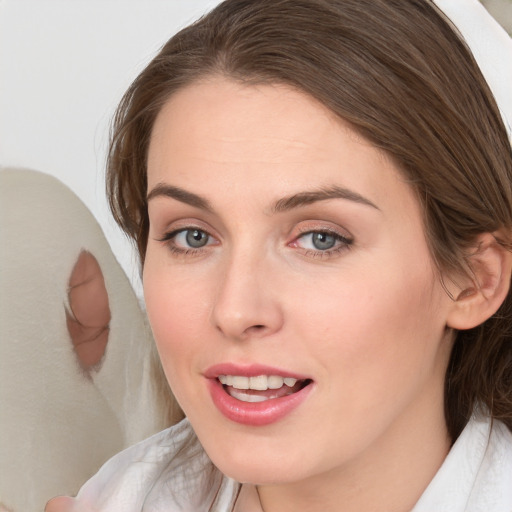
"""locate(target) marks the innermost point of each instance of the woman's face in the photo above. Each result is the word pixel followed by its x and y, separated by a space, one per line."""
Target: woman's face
pixel 289 286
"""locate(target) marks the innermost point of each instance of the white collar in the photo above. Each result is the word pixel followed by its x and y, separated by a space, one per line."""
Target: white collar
pixel 477 473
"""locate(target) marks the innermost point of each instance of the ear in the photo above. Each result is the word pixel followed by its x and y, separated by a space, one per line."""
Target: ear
pixel 481 297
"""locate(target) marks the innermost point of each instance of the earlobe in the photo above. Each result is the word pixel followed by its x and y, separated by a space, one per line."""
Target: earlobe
pixel 481 298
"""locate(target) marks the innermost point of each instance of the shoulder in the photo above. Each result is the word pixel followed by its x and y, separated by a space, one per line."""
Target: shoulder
pixel 169 471
pixel 476 476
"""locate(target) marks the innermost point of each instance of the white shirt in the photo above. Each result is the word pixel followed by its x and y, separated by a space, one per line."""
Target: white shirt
pixel 170 472
pixel 476 475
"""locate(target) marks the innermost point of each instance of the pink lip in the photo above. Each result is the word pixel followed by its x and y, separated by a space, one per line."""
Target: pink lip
pixel 250 413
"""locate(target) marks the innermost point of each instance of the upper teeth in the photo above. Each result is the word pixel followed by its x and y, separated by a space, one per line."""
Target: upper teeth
pixel 260 383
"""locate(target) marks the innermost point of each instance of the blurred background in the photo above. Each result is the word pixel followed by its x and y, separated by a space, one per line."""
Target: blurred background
pixel 502 11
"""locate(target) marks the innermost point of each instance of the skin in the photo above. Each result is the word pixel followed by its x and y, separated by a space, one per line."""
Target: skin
pixel 366 321
pixel 89 313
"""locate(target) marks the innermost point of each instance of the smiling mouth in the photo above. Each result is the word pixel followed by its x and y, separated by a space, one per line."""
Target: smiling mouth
pixel 261 388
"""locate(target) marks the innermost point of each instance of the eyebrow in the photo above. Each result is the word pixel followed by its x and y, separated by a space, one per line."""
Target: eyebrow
pixel 323 194
pixel 162 189
pixel 297 200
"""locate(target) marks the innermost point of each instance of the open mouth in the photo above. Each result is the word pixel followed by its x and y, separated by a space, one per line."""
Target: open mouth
pixel 261 388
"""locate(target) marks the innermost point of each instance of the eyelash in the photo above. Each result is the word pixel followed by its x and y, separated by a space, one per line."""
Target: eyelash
pixel 344 242
pixel 169 240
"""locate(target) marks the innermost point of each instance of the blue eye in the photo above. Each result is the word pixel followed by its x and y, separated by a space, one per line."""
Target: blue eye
pixel 191 238
pixel 187 241
pixel 322 241
pixel 196 238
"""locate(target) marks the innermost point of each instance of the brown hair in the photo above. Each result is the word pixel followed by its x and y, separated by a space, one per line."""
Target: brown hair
pixel 401 75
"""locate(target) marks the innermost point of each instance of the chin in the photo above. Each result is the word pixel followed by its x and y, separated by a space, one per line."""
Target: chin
pixel 259 465
pixel 259 474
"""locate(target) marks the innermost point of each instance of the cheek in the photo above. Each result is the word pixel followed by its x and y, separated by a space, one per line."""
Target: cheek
pixel 377 332
pixel 177 313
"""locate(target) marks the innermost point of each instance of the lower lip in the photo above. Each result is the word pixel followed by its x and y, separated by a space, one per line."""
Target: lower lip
pixel 255 413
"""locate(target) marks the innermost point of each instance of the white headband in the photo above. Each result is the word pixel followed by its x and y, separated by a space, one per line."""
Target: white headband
pixel 491 47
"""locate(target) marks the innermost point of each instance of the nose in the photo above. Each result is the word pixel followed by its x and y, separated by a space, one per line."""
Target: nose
pixel 247 303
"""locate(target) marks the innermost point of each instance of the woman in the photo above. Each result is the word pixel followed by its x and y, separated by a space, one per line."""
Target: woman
pixel 320 193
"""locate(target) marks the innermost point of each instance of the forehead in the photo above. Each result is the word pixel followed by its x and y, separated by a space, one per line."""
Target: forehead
pixel 219 108
pixel 268 139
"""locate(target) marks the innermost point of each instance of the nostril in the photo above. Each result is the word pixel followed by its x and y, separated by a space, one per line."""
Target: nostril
pixel 255 329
